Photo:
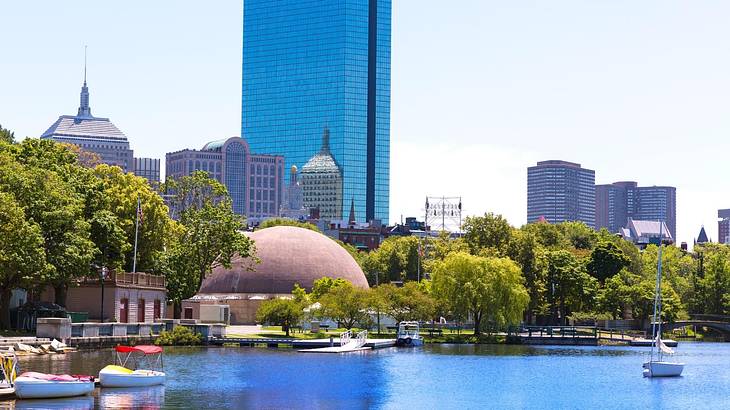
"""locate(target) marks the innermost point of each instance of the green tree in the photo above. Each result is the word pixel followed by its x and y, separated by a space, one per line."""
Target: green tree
pixel 489 232
pixel 53 196
pixel 287 222
pixel 396 259
pixel 529 254
pixel 378 301
pixel 615 295
pixel 345 304
pixel 121 192
pixel 22 257
pixel 6 135
pixel 485 288
pixel 409 302
pixel 211 234
pixel 578 234
pixel 606 260
pixel 568 287
pixel 323 285
pixel 283 312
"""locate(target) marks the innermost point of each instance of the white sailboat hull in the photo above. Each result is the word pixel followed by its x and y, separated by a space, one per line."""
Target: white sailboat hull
pixel 663 369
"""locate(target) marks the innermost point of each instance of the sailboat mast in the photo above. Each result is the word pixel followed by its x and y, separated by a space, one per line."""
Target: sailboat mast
pixel 656 327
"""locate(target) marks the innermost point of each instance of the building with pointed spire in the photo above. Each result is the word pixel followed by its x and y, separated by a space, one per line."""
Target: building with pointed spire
pixel 702 237
pixel 92 134
pixel 293 201
pixel 322 182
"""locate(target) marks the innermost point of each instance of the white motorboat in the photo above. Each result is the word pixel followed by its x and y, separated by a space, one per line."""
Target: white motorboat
pixel 659 367
pixel 408 335
pixel 119 375
pixel 32 385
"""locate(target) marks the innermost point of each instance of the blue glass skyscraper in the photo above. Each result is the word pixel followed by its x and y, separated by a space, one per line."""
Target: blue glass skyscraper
pixel 315 64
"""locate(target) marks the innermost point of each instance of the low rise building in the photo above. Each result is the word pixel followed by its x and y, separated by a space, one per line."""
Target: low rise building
pixel 127 297
pixel 643 233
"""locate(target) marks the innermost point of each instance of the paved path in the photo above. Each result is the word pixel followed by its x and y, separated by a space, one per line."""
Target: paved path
pixel 243 329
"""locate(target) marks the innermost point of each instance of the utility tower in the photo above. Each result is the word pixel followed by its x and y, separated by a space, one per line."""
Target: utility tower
pixel 443 213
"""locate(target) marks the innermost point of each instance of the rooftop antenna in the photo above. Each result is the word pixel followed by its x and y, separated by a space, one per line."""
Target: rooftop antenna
pixel 85 47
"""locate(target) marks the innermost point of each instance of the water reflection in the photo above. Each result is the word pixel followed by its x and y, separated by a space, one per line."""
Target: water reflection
pixel 523 351
pixel 435 376
pixel 71 403
pixel 132 397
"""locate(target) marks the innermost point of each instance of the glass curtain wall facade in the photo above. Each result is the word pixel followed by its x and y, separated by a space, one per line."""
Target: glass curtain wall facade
pixel 311 64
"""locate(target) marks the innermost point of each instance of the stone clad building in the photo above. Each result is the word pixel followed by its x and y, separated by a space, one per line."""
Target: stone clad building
pixel 322 182
pixel 255 182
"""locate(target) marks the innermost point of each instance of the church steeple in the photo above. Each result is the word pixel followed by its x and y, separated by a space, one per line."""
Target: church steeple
pixel 84 109
pixel 351 220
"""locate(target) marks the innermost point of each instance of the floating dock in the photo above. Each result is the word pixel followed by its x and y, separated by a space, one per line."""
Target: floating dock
pixel 300 344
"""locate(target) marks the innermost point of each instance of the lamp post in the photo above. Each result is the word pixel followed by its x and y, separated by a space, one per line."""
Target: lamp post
pixel 101 278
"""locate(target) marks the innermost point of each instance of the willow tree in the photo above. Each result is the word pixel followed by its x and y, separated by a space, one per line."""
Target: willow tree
pixel 483 288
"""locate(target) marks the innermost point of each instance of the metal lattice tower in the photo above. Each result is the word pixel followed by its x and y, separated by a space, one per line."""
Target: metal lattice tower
pixel 443 213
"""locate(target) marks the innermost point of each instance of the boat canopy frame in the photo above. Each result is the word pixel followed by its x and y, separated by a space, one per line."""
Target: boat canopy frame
pixel 143 351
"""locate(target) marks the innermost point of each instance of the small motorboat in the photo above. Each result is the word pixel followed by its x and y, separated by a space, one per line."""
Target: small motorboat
pixel 119 374
pixel 408 335
pixel 32 385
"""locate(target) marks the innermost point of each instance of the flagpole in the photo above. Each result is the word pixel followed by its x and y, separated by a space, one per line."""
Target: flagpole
pixel 136 233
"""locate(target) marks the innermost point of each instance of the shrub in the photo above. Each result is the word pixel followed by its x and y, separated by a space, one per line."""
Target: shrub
pixel 179 336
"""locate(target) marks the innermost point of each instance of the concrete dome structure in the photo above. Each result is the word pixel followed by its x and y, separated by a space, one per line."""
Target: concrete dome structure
pixel 288 255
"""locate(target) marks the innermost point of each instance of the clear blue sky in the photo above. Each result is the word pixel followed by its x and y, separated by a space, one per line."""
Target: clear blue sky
pixel 481 89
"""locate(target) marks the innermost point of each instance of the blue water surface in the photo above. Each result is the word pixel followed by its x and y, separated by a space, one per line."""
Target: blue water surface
pixel 435 376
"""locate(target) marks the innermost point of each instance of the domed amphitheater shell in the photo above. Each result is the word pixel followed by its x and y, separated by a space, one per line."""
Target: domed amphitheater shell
pixel 289 255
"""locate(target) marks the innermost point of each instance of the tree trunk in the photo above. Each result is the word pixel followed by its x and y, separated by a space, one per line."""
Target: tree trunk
pixel 285 327
pixel 5 296
pixel 60 292
pixel 477 323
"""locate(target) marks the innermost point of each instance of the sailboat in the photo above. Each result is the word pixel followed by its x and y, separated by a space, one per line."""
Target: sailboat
pixel 658 367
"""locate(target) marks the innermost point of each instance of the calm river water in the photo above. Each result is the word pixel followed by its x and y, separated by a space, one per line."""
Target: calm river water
pixel 439 376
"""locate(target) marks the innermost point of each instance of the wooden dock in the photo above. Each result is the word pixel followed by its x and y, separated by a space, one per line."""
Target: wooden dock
pixel 295 343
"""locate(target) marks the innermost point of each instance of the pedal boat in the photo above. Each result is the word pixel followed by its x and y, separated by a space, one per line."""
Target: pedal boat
pixel 32 385
pixel 120 375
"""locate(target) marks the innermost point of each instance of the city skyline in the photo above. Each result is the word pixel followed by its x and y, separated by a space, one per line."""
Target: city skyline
pixel 512 85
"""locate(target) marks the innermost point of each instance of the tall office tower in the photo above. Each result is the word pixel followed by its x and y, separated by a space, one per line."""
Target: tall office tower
pixel 723 225
pixel 559 191
pixel 311 64
pixel 617 202
pixel 92 134
pixel 253 181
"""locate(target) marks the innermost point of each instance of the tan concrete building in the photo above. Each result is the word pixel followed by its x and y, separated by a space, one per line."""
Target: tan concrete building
pixel 289 255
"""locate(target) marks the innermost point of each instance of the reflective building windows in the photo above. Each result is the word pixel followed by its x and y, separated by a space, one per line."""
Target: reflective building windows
pixel 308 65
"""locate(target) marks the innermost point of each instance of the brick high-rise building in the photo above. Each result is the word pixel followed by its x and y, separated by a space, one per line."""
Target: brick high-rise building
pixel 617 202
pixel 723 225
